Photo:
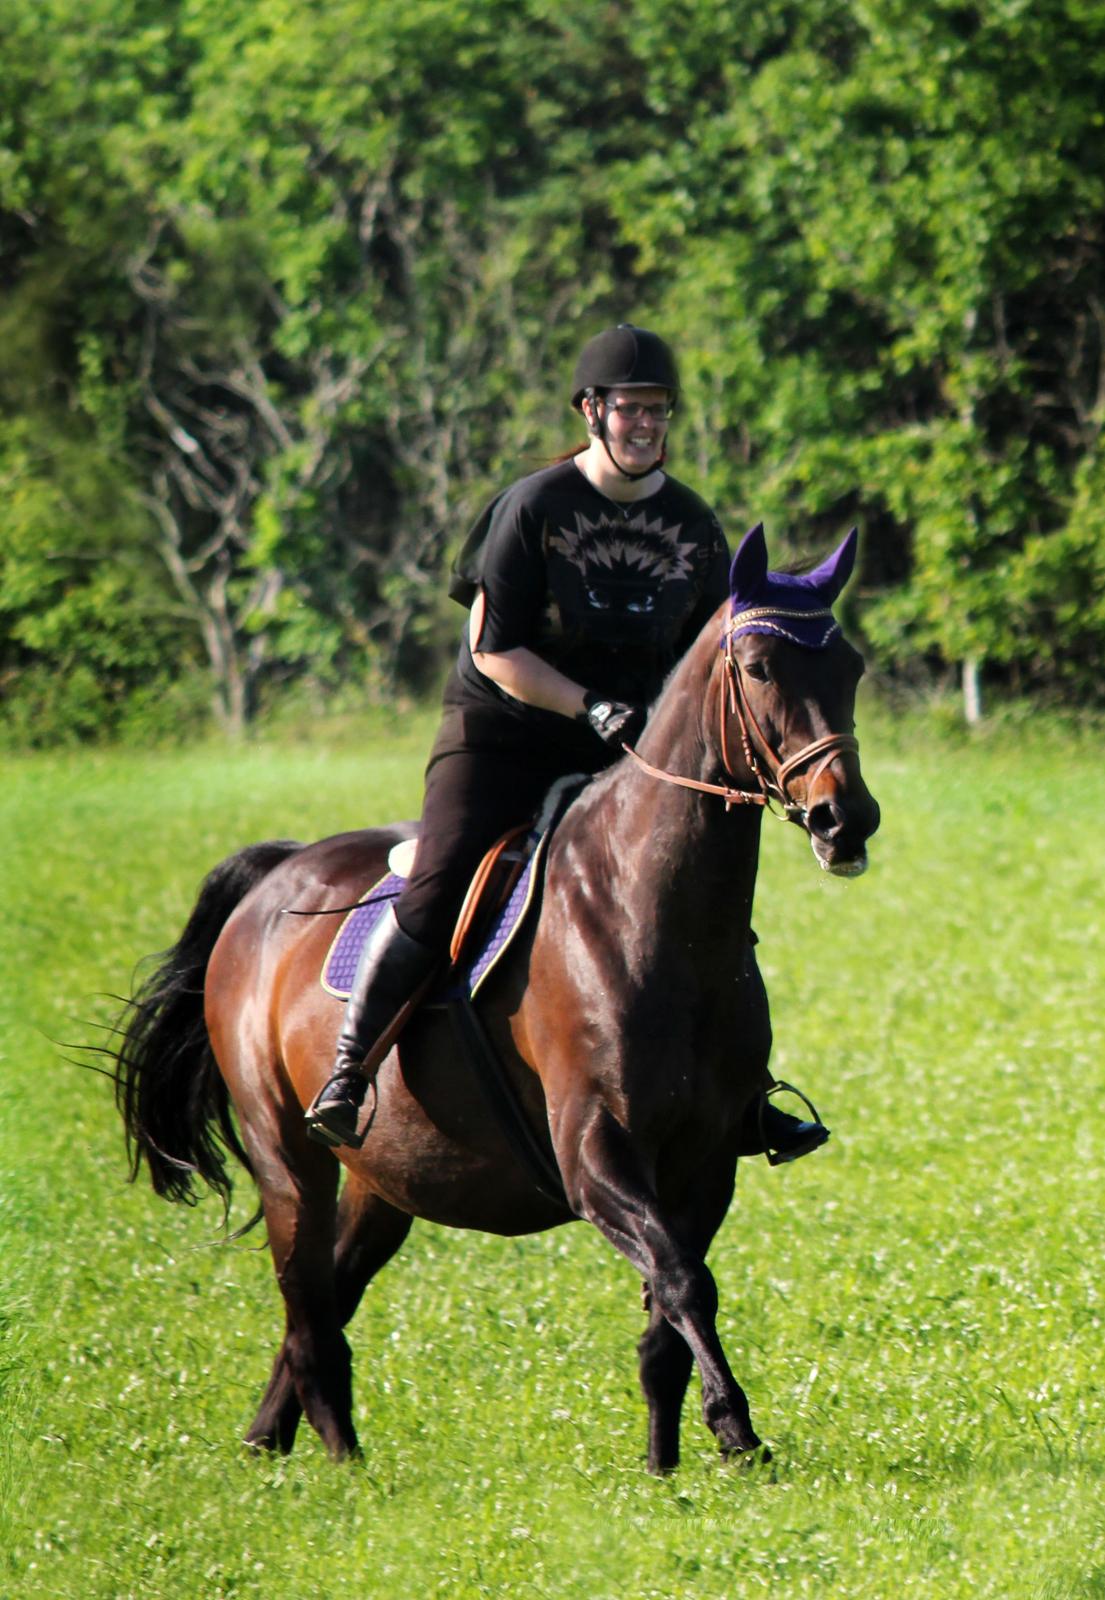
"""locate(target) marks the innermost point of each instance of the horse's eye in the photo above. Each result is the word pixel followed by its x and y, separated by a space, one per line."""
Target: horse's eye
pixel 758 670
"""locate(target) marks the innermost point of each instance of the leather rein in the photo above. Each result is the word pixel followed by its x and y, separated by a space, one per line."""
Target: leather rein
pixel 772 775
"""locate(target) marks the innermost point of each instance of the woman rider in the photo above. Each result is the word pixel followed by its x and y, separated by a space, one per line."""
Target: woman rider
pixel 597 573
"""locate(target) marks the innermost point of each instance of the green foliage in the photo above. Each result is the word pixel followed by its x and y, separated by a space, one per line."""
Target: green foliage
pixel 308 280
pixel 88 647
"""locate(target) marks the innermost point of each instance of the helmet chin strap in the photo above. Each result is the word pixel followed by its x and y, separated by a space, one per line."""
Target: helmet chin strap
pixel 598 431
pixel 634 477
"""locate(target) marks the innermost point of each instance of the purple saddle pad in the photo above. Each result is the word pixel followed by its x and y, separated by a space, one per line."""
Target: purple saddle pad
pixel 340 966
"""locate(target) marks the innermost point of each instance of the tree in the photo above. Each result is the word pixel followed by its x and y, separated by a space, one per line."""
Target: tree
pixel 299 284
pixel 886 229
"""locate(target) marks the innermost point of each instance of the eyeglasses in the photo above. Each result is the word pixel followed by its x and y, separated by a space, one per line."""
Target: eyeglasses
pixel 633 410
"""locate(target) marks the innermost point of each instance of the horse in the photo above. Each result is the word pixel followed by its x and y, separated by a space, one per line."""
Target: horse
pixel 630 1019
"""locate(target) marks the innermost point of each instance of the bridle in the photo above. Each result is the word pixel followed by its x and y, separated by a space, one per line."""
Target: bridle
pixel 773 777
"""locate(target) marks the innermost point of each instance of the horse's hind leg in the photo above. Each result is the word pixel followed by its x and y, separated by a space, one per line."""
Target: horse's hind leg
pixel 369 1232
pixel 299 1187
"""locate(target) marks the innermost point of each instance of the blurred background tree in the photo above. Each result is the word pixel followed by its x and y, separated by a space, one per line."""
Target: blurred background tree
pixel 288 290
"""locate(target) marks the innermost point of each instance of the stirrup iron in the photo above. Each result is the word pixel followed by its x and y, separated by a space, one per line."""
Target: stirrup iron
pixel 352 1139
pixel 778 1158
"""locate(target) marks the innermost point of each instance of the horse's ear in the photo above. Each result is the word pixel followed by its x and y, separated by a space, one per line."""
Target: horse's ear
pixel 749 568
pixel 831 576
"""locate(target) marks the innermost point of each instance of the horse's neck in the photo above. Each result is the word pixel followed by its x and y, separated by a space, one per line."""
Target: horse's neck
pixel 671 856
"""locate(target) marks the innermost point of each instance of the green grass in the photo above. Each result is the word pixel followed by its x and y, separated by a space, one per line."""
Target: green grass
pixel 916 1312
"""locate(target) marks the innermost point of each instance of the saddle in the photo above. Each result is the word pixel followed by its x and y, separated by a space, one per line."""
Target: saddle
pixel 495 907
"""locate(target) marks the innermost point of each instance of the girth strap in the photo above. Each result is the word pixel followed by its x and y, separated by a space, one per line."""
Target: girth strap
pixel 502 1098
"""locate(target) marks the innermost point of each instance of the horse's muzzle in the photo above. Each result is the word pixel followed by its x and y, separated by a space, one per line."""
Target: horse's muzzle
pixel 842 869
pixel 839 829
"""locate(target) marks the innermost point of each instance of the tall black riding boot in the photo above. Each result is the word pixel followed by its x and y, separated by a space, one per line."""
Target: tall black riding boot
pixel 786 1137
pixel 774 1133
pixel 391 969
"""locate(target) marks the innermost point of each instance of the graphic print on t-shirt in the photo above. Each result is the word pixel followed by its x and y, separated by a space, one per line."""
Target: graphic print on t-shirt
pixel 617 570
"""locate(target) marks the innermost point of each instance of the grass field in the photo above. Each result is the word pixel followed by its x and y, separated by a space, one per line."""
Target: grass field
pixel 916 1312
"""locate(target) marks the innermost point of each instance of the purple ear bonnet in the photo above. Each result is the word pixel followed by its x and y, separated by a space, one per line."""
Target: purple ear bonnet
pixel 794 606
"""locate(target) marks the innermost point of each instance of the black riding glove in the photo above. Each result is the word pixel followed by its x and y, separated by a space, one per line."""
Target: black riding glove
pixel 614 721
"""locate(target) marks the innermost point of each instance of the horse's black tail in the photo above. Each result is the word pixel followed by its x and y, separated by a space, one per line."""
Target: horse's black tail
pixel 168 1087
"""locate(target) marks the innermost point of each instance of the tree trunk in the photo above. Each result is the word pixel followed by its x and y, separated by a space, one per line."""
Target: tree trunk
pixel 972 691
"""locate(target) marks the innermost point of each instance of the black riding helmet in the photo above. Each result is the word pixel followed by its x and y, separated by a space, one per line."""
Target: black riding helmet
pixel 624 356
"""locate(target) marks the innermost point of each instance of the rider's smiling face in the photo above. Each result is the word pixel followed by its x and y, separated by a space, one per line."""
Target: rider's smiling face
pixel 633 429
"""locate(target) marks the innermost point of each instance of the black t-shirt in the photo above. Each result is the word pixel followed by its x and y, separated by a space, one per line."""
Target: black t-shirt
pixel 610 593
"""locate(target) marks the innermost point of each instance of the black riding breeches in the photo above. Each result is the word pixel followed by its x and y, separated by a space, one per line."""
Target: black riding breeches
pixel 480 782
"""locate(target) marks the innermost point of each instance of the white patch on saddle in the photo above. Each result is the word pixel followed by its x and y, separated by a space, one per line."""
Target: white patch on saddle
pixel 401 857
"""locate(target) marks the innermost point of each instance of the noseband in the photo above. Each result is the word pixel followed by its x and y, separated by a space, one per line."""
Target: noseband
pixel 772 776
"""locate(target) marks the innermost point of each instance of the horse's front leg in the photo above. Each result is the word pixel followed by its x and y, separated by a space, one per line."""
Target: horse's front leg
pixel 665 1357
pixel 664 1365
pixel 606 1183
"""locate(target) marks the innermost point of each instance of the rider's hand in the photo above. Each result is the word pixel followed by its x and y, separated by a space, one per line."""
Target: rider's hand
pixel 615 721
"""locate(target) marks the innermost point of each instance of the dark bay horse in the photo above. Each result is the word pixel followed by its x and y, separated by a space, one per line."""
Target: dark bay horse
pixel 631 1018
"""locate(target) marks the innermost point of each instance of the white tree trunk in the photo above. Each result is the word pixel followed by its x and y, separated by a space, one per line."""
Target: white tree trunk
pixel 972 690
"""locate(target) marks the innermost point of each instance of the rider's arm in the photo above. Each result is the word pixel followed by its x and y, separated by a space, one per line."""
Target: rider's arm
pixel 523 674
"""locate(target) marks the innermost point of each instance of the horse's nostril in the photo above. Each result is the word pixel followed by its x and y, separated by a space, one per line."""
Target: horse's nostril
pixel 826 820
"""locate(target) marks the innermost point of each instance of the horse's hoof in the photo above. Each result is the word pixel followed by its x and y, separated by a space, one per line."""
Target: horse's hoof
pixel 347 1455
pixel 751 1458
pixel 269 1442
